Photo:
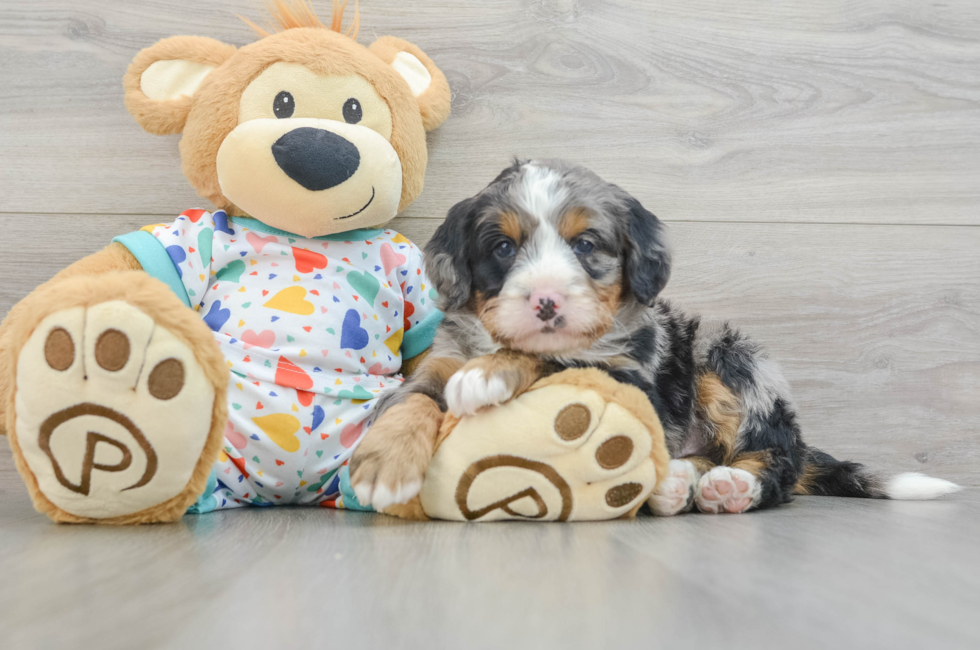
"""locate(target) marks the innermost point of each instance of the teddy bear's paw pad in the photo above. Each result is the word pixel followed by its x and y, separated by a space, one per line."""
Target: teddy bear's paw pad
pixel 558 453
pixel 675 493
pixel 727 489
pixel 112 410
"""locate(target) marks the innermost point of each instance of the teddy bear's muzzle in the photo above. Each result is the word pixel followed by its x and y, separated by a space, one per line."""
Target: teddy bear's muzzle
pixel 317 159
pixel 310 176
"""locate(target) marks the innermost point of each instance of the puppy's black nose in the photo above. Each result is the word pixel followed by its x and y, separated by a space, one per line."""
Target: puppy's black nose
pixel 315 158
pixel 546 309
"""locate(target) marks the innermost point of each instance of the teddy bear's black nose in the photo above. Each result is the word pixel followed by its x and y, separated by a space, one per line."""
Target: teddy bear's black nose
pixel 315 158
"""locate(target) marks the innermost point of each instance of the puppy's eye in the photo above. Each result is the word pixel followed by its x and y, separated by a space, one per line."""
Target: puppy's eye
pixel 504 250
pixel 283 105
pixel 583 247
pixel 352 111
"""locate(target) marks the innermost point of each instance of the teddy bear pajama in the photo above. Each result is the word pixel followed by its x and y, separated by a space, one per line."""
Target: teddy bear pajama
pixel 312 330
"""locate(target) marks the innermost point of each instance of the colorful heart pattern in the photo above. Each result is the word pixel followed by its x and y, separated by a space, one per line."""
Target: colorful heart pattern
pixel 352 335
pixel 365 284
pixel 312 332
pixel 390 259
pixel 308 261
pixel 264 339
pixel 258 242
pixel 291 375
pixel 350 434
pixel 292 300
pixel 231 273
pixel 281 429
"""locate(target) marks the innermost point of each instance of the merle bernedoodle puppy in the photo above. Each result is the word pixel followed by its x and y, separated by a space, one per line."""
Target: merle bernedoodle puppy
pixel 551 267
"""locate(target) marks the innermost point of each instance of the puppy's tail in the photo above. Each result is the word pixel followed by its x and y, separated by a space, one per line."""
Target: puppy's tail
pixel 824 475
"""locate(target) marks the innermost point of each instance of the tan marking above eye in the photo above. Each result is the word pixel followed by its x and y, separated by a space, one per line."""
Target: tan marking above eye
pixel 59 350
pixel 573 223
pixel 112 350
pixel 315 96
pixel 510 225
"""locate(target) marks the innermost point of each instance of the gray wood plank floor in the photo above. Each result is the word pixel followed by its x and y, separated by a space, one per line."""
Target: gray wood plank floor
pixel 818 573
pixel 819 166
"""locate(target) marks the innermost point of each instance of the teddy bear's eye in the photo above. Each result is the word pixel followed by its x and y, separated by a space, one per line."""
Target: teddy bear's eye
pixel 284 105
pixel 352 111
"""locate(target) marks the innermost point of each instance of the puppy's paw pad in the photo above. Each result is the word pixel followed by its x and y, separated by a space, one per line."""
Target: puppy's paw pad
pixel 727 489
pixel 112 410
pixel 675 494
pixel 468 391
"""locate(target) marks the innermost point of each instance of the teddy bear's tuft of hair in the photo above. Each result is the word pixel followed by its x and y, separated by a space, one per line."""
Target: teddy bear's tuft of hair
pixel 290 14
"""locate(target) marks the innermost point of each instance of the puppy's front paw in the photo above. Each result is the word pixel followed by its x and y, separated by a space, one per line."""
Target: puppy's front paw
pixel 390 462
pixel 381 478
pixel 675 494
pixel 727 489
pixel 471 389
pixel 381 495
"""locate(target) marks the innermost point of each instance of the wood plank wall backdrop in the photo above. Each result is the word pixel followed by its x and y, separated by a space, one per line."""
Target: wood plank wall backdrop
pixel 818 164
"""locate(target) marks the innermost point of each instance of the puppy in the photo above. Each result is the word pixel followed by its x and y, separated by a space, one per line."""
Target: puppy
pixel 550 267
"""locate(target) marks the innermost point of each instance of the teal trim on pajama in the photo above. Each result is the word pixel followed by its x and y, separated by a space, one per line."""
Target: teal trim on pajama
pixel 153 257
pixel 418 339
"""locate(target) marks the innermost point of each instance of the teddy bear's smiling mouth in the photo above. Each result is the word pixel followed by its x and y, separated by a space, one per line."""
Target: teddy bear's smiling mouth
pixel 354 214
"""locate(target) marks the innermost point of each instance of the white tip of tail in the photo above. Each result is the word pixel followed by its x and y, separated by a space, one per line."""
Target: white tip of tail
pixel 917 487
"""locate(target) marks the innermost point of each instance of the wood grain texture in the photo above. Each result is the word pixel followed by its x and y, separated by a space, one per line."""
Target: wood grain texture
pixel 819 164
pixel 818 573
pixel 806 111
pixel 876 327
pixel 36 246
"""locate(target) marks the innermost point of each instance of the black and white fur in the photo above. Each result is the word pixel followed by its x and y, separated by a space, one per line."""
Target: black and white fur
pixel 490 272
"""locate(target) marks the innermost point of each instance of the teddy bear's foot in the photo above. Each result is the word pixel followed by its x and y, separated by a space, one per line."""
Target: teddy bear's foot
pixel 112 415
pixel 564 451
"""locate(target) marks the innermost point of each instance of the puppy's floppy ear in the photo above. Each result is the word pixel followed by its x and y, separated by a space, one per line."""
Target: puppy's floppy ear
pixel 648 254
pixel 446 256
pixel 161 81
pixel 425 80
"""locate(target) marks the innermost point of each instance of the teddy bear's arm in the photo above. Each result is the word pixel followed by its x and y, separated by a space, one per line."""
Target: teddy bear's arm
pixel 114 257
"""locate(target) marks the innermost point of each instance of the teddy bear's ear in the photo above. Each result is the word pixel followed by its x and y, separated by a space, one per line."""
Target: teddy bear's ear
pixel 427 82
pixel 161 81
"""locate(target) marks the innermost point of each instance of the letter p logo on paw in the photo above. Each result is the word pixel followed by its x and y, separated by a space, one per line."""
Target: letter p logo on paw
pixel 560 452
pixel 89 461
pixel 112 410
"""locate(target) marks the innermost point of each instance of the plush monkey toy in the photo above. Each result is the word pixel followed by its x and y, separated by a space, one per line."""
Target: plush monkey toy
pixel 234 357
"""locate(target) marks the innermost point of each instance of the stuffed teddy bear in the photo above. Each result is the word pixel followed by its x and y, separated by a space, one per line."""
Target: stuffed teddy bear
pixel 119 406
pixel 234 357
